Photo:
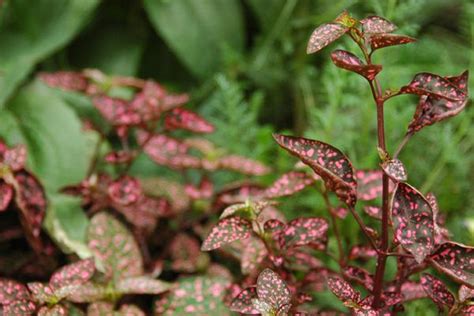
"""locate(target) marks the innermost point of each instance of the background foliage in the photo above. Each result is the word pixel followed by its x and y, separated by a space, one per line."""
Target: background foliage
pixel 244 63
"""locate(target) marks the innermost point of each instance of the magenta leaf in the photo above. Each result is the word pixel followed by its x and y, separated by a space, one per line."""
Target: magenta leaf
pixel 272 290
pixel 362 252
pixel 383 40
pixel 180 118
pixel 289 184
pixel 67 80
pixel 111 242
pixel 253 254
pixel 465 293
pixel 328 162
pixel 360 276
pixel 19 308
pixel 6 195
pixel 243 165
pixel 376 24
pixel 73 274
pixel 395 169
pixel 348 61
pixel 324 35
pixel 141 285
pixel 303 231
pixel 437 291
pixel 369 184
pixel 242 303
pixel 226 231
pixel 413 221
pixel 432 109
pixel 428 84
pixel 116 111
pixel 125 190
pixel 11 291
pixel 456 260
pixel 343 291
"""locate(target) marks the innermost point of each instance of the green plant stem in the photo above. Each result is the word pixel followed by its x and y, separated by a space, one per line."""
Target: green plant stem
pixel 402 144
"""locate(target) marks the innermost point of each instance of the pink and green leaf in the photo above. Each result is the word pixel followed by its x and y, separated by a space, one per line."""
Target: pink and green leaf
pixel 289 184
pixel 56 310
pixel 88 292
pixel 384 40
pixel 395 169
pixel 253 255
pixel 66 80
pixel 125 190
pixel 348 61
pixel 272 289
pixel 14 157
pixel 305 231
pixel 141 285
pixel 41 292
pixel 376 24
pixel 100 309
pixel 324 35
pixel 437 291
pixel 226 231
pixel 365 252
pixel 116 111
pixel 181 118
pixel 360 276
pixel 428 84
pixel 11 291
pixel 243 303
pixel 413 221
pixel 111 243
pixel 369 184
pixel 328 162
pixel 373 211
pixel 343 291
pixel 243 165
pixel 186 254
pixel 465 293
pixel 455 260
pixel 73 274
pixel 19 308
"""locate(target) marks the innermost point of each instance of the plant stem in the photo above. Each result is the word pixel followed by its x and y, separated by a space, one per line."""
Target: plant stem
pixel 401 145
pixel 342 259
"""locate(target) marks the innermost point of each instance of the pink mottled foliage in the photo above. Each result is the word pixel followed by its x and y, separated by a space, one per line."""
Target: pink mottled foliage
pixel 226 231
pixel 437 291
pixel 348 61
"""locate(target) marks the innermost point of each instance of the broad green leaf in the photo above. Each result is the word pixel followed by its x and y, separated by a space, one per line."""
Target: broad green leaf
pixel 32 30
pixel 199 32
pixel 58 150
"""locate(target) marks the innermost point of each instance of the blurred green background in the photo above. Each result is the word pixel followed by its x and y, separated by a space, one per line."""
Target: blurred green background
pixel 245 66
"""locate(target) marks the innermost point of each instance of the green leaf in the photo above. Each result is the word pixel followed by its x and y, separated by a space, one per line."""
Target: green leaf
pixel 32 30
pixel 198 31
pixel 58 151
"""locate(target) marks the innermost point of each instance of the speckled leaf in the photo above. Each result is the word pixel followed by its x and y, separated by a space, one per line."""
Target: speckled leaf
pixel 465 293
pixel 11 291
pixel 289 184
pixel 343 290
pixel 412 291
pixel 263 307
pixel 377 24
pixel 324 35
pixel 66 80
pixel 441 233
pixel 467 310
pixel 383 40
pixel 141 285
pixel 41 292
pixel 100 309
pixel 437 291
pixel 373 211
pixel 196 296
pixel 433 85
pixel 186 254
pixel 369 184
pixel 253 254
pixel 348 61
pixel 180 118
pixel 395 169
pixel 119 157
pixel 432 109
pixel 19 308
pixel 365 252
pixel 303 231
pixel 243 165
pixel 88 292
pixel 116 111
pixel 73 274
pixel 203 191
pixel 226 231
pixel 243 302
pixel 234 209
pixel 456 260
pixel 360 276
pixel 56 310
pixel 115 246
pixel 328 162
pixel 272 289
pixel 130 310
pixel 413 221
pixel 6 195
pixel 14 157
pixel 125 190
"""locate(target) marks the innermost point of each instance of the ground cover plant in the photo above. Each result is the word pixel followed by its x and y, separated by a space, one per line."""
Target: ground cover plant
pixel 156 225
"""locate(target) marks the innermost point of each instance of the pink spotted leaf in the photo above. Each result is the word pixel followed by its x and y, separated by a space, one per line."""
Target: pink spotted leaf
pixel 186 254
pixel 242 303
pixel 364 252
pixel 243 165
pixel 253 254
pixel 413 221
pixel 383 40
pixel 343 291
pixel 412 291
pixel 67 80
pixel 226 231
pixel 395 169
pixel 360 276
pixel 428 84
pixel 369 184
pixel 100 309
pixel 432 109
pixel 41 292
pixel 6 195
pixel 373 211
pixel 56 310
pixel 324 35
pixel 11 291
pixel 455 260
pixel 19 308
pixel 377 24
pixel 465 293
pixel 141 285
pixel 303 231
pixel 272 290
pixel 87 292
pixel 130 310
pixel 181 118
pixel 111 242
pixel 348 61
pixel 73 274
pixel 289 184
pixel 14 157
pixel 116 111
pixel 437 291
pixel 441 234
pixel 328 162
pixel 125 190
